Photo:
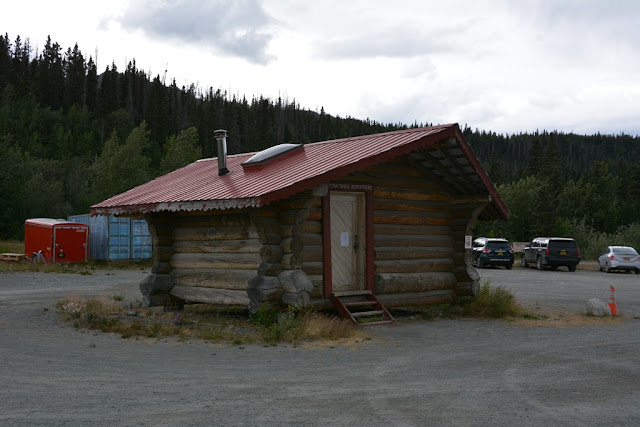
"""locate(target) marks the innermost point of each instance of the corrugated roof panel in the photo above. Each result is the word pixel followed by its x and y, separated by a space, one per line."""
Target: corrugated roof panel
pixel 198 186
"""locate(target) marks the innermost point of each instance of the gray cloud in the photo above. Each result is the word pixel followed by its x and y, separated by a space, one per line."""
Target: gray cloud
pixel 393 42
pixel 234 27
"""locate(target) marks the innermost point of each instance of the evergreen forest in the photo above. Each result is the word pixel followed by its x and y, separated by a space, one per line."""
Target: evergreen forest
pixel 72 135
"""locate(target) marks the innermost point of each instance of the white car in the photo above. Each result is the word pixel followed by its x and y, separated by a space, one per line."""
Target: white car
pixel 619 258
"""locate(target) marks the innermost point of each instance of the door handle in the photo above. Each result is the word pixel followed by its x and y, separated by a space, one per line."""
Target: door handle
pixel 355 243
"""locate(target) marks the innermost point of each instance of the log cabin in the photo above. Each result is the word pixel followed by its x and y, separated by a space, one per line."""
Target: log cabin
pixel 382 215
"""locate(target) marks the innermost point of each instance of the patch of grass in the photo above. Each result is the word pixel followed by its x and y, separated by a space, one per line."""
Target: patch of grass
pixel 300 324
pixel 206 322
pixel 11 246
pixel 494 302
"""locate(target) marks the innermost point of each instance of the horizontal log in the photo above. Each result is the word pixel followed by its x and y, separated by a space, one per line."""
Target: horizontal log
pixel 235 219
pixel 312 268
pixel 219 261
pixel 408 194
pixel 401 253
pixel 218 246
pixel 315 214
pixel 413 241
pixel 389 179
pixel 213 278
pixel 214 233
pixel 418 298
pixel 391 283
pixel 433 265
pixel 413 218
pixel 211 295
pixel 410 205
pixel 312 254
pixel 314 227
pixel 311 239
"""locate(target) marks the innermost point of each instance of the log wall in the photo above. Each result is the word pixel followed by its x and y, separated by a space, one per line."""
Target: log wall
pixel 213 257
pixel 416 248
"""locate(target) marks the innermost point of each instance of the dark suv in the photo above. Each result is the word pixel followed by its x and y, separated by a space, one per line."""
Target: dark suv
pixel 553 252
pixel 490 252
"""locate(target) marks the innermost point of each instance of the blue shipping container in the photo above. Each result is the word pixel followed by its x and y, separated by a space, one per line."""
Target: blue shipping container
pixel 117 238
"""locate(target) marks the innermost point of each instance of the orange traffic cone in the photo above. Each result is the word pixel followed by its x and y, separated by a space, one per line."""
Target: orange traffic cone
pixel 612 301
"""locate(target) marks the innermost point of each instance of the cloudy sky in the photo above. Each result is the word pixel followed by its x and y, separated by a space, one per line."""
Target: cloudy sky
pixel 505 66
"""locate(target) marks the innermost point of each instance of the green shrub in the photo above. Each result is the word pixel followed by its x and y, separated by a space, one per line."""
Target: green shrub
pixel 493 302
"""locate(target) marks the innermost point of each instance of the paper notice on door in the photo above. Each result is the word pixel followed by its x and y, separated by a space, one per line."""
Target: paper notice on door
pixel 344 238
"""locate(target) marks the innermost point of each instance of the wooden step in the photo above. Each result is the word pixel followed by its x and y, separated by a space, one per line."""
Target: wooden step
pixel 350 293
pixel 359 303
pixel 368 313
pixel 372 308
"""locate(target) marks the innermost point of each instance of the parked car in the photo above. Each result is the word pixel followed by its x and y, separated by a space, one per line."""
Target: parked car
pixel 623 258
pixel 553 252
pixel 492 252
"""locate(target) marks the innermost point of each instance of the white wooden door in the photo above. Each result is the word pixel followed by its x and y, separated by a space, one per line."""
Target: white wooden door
pixel 347 241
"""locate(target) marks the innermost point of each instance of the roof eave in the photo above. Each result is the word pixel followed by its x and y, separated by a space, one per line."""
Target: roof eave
pixel 179 206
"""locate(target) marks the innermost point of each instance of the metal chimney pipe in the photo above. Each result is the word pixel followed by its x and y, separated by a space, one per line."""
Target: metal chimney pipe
pixel 221 139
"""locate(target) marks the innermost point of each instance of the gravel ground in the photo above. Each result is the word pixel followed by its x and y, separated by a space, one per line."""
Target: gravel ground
pixel 445 372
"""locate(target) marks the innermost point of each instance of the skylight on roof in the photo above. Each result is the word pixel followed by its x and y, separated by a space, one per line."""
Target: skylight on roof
pixel 271 153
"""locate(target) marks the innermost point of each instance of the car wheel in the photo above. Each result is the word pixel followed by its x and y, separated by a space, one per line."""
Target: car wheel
pixel 572 268
pixel 510 266
pixel 523 261
pixel 637 271
pixel 607 268
pixel 539 264
pixel 480 263
pixel 600 268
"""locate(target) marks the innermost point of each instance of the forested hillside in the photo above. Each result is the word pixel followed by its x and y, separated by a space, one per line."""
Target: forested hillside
pixel 72 135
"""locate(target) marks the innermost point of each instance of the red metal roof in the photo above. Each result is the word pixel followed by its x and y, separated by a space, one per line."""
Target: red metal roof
pixel 198 186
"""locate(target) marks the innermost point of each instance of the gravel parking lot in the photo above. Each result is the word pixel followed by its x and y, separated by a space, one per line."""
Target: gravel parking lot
pixel 445 372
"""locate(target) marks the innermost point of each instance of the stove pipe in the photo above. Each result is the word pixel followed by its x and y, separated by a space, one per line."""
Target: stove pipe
pixel 221 139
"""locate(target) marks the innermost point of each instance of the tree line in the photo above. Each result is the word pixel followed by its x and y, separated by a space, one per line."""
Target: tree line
pixel 71 136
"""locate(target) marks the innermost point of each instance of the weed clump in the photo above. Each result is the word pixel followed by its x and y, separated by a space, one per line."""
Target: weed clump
pixel 299 324
pixel 494 302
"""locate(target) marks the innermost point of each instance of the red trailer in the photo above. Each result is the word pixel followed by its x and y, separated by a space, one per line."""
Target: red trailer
pixel 58 240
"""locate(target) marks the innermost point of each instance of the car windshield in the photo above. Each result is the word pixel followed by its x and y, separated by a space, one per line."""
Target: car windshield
pixel 624 251
pixel 498 245
pixel 563 244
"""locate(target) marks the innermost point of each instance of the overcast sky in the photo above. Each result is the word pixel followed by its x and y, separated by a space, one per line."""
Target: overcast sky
pixel 506 66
